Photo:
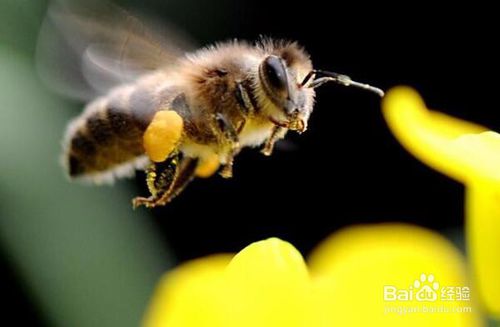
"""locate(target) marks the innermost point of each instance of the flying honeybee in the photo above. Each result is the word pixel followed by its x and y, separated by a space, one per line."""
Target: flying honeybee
pixel 177 114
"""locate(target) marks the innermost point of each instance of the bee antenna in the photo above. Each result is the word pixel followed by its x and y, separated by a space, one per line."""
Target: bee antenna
pixel 338 79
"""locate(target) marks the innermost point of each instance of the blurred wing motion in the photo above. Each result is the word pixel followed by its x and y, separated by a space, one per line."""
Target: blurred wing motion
pixel 83 53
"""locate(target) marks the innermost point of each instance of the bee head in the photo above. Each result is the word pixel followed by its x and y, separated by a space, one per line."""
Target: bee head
pixel 280 76
pixel 288 82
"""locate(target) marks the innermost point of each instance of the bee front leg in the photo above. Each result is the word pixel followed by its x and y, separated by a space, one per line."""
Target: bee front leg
pixel 277 133
pixel 230 136
pixel 227 168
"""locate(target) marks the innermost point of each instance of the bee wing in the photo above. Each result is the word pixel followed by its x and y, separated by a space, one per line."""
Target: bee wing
pixel 83 53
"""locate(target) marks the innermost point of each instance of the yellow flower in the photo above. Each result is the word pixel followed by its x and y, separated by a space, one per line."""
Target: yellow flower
pixel 268 284
pixel 470 154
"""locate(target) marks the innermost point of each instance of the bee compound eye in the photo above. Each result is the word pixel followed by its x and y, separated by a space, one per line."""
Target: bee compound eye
pixel 275 73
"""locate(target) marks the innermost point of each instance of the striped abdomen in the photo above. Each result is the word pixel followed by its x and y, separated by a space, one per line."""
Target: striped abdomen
pixel 108 135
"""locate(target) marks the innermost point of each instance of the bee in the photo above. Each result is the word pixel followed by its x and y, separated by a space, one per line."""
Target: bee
pixel 189 114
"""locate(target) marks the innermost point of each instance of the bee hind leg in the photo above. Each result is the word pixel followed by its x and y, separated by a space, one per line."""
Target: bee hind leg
pixel 166 180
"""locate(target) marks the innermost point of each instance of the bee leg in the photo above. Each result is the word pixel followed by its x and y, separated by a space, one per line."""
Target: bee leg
pixel 159 177
pixel 243 98
pixel 185 174
pixel 227 129
pixel 227 168
pixel 277 133
pixel 231 135
pixel 166 180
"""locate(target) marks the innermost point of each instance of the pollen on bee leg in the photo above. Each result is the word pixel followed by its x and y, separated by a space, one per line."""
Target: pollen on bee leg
pixel 207 166
pixel 227 169
pixel 162 135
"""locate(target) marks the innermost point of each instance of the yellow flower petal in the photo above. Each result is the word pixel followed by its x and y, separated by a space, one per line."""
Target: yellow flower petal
pixel 266 284
pixel 481 155
pixel 269 284
pixel 190 296
pixel 162 135
pixel 352 267
pixel 429 135
pixel 469 153
pixel 483 235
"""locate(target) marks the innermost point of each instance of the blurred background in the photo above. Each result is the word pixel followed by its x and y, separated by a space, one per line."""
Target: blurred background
pixel 76 255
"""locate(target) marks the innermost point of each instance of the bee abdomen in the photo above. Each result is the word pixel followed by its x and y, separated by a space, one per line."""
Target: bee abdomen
pixel 106 136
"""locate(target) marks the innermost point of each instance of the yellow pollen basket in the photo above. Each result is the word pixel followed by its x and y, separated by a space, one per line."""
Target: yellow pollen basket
pixel 162 135
pixel 207 166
